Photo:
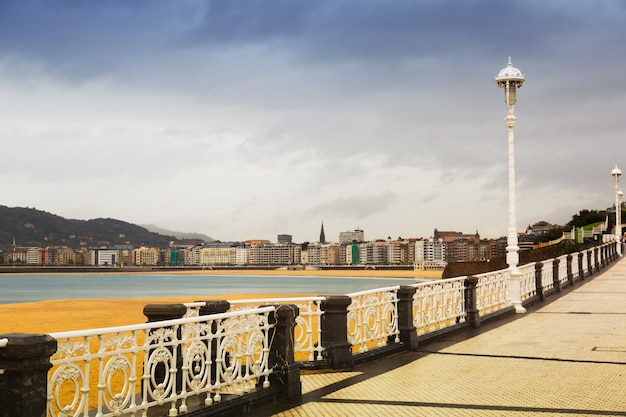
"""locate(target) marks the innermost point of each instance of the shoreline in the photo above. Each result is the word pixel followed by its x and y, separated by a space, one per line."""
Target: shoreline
pixel 360 273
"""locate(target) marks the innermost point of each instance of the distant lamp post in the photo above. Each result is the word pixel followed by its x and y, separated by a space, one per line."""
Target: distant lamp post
pixel 510 79
pixel 616 173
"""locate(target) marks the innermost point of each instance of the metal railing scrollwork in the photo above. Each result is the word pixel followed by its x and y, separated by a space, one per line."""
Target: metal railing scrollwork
pixel 373 318
pixel 438 304
pixel 527 282
pixel 308 331
pixel 492 291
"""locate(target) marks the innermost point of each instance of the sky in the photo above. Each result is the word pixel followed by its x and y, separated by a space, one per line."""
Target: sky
pixel 245 119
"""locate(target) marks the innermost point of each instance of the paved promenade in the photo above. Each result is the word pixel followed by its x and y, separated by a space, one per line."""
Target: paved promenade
pixel 564 357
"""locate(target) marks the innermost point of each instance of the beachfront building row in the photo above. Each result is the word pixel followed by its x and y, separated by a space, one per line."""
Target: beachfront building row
pixel 433 253
pixel 253 253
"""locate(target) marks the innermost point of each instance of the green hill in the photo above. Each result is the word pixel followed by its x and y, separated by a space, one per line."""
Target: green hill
pixel 31 227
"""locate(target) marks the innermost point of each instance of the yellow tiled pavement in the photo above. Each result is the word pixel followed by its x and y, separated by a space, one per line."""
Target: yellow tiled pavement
pixel 566 357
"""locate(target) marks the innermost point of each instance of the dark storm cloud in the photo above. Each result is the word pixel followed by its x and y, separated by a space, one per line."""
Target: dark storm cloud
pixel 92 36
pixel 75 40
pixel 372 29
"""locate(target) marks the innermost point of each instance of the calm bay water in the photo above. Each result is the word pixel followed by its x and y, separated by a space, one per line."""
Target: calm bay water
pixel 22 288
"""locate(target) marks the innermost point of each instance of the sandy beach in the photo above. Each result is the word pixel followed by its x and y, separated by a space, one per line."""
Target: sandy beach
pixel 67 315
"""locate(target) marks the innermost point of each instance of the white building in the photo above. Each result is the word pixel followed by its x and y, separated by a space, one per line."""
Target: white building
pixel 430 254
pixel 352 236
pixel 104 257
pixel 242 255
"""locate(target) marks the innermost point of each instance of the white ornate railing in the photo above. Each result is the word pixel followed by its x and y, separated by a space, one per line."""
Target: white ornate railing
pixel 127 370
pixel 308 330
pixel 492 291
pixel 584 255
pixel 373 318
pixel 562 269
pixel 527 281
pixel 438 304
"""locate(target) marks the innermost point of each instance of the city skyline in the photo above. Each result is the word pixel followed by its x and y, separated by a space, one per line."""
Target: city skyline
pixel 245 120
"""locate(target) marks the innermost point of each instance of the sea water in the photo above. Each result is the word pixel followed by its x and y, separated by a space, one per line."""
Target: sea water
pixel 20 288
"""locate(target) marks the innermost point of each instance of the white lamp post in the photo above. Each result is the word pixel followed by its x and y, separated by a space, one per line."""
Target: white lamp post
pixel 511 78
pixel 616 173
pixel 618 223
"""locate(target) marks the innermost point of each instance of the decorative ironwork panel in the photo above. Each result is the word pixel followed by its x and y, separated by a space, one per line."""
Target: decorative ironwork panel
pixel 492 291
pixel 373 318
pixel 308 331
pixel 100 372
pixel 547 275
pixel 575 271
pixel 585 265
pixel 527 281
pixel 438 304
pixel 562 268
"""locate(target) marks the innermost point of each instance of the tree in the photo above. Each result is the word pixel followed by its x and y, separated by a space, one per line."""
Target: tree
pixel 585 217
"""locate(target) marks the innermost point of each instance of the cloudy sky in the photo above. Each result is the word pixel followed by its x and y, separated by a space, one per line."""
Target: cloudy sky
pixel 246 119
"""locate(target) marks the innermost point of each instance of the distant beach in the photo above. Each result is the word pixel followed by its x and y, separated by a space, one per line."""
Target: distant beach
pixel 102 300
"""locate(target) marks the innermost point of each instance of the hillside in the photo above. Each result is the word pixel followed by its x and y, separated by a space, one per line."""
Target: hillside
pixel 177 235
pixel 31 227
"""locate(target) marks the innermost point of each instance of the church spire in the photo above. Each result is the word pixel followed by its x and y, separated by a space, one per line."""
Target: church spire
pixel 322 235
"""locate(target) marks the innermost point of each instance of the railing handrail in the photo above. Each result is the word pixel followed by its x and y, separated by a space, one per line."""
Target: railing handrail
pixel 375 290
pixel 276 300
pixel 439 281
pixel 157 324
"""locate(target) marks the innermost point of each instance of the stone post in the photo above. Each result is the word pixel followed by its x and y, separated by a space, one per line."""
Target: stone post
pixel 337 349
pixel 539 281
pixel 589 266
pixel 286 371
pixel 581 273
pixel 596 251
pixel 555 274
pixel 214 307
pixel 408 334
pixel 24 366
pixel 471 305
pixel 601 256
pixel 162 312
pixel 570 274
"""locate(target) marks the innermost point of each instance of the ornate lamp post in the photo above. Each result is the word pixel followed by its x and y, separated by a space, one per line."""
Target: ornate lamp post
pixel 616 173
pixel 511 78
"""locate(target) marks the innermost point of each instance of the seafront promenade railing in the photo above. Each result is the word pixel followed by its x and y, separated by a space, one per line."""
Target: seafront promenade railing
pixel 164 362
pixel 202 357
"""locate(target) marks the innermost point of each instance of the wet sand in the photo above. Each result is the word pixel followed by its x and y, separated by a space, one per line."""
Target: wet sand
pixel 67 315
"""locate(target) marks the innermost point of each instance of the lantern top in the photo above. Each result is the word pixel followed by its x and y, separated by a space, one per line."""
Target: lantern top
pixel 616 171
pixel 510 73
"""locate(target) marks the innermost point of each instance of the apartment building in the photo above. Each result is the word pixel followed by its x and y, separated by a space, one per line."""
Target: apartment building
pixel 218 255
pixel 275 254
pixel 147 256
